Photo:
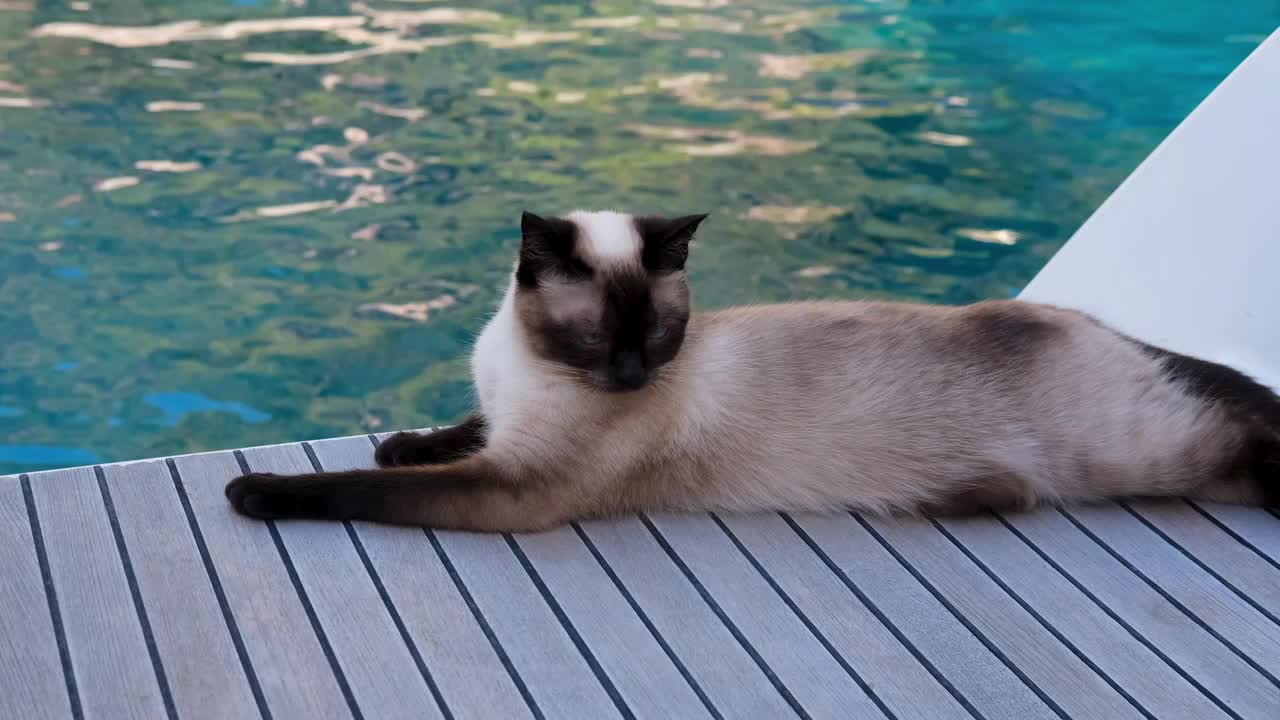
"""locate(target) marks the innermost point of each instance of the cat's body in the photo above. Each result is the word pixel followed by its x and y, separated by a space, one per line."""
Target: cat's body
pixel 590 407
pixel 818 406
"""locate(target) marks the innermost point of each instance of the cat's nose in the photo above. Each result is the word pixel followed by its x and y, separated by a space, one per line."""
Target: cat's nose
pixel 629 372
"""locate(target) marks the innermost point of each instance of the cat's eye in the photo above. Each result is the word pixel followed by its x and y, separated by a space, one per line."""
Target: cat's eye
pixel 657 332
pixel 591 338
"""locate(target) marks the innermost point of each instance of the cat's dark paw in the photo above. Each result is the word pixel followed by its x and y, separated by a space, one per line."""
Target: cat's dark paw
pixel 252 495
pixel 406 448
pixel 266 496
pixel 276 497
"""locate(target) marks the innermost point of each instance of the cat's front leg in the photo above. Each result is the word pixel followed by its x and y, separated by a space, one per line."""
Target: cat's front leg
pixel 442 446
pixel 470 494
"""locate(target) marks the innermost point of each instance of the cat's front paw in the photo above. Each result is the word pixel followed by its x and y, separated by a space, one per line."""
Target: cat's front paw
pixel 246 493
pixel 406 448
pixel 251 495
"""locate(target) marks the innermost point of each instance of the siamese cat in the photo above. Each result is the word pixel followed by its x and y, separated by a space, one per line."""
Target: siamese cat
pixel 601 393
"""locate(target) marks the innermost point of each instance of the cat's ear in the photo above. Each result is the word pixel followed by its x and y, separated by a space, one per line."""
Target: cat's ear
pixel 550 235
pixel 666 240
pixel 545 244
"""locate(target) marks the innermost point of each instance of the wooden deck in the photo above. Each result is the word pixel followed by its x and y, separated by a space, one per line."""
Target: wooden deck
pixel 132 591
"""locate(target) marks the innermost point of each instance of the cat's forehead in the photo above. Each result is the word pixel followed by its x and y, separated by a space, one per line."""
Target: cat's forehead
pixel 606 239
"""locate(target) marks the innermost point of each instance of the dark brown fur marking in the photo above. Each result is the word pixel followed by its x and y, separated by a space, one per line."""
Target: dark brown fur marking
pixel 441 446
pixel 995 494
pixel 1218 383
pixel 547 246
pixel 1007 331
pixel 666 241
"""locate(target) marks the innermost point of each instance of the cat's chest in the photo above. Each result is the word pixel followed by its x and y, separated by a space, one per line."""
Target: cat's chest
pixel 509 381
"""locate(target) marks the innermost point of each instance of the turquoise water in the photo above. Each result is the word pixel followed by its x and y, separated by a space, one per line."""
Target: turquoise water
pixel 232 223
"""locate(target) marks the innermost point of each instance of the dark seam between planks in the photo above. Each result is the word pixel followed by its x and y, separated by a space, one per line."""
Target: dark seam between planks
pixel 973 629
pixel 1201 564
pixel 724 619
pixel 884 619
pixel 386 601
pixel 306 606
pixel 1274 562
pixel 1170 599
pixel 1119 620
pixel 485 628
pixel 578 642
pixel 218 592
pixel 804 620
pixel 148 637
pixel 51 595
pixel 484 625
pixel 1040 619
pixel 648 624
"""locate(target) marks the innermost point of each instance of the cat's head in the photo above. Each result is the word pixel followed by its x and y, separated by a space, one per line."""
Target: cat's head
pixel 605 293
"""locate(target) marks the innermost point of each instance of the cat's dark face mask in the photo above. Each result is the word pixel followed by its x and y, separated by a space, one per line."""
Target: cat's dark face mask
pixel 611 324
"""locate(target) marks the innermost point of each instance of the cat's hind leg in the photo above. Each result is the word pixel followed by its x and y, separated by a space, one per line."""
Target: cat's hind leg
pixel 1252 476
pixel 1252 469
pixel 998 492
